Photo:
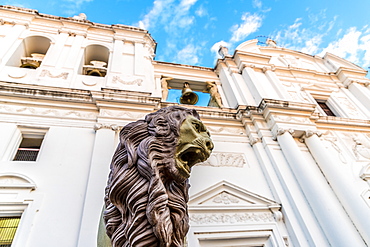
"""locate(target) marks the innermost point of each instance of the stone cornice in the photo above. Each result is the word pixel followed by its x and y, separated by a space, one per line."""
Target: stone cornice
pixel 342 124
pixel 286 105
pixel 209 112
pixel 66 21
pixel 36 91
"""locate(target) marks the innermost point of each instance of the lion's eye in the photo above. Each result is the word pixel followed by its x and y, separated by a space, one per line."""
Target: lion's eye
pixel 197 126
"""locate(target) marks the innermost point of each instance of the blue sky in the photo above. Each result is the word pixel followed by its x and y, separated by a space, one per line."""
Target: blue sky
pixel 190 31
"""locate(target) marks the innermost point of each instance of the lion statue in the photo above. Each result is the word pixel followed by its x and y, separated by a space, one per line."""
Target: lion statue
pixel 147 191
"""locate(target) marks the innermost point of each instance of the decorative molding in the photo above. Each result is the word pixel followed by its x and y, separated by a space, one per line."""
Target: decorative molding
pixel 365 173
pixel 291 119
pixel 247 199
pixel 90 82
pixel 16 181
pixel 254 140
pixel 332 140
pixel 308 134
pixel 366 196
pixel 223 130
pixel 361 147
pixel 113 127
pixel 47 73
pixel 282 131
pixel 132 82
pixel 17 74
pixel 230 218
pixel 122 114
pixel 351 110
pixel 225 198
pixel 45 112
pixel 225 159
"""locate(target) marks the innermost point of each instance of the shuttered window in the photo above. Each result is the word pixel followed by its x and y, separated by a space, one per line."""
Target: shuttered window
pixel 8 227
pixel 28 149
pixel 325 108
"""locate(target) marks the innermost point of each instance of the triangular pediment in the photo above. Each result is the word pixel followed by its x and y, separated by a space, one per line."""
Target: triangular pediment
pixel 225 194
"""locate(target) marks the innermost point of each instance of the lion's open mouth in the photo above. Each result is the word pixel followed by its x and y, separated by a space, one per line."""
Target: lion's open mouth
pixel 192 156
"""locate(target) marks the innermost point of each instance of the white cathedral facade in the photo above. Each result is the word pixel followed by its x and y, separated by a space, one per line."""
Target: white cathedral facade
pixel 291 163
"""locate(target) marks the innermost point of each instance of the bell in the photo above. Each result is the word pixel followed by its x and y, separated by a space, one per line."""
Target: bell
pixel 30 65
pixel 188 96
pixel 95 72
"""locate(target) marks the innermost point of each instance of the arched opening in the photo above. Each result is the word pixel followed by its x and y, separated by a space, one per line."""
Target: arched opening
pixel 30 52
pixel 95 60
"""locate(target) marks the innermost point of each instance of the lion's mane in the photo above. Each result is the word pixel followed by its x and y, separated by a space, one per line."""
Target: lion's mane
pixel 145 198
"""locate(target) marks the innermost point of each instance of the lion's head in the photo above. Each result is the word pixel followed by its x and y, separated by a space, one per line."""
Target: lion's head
pixel 147 188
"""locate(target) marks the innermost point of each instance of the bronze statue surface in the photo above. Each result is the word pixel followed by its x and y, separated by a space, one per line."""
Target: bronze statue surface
pixel 147 192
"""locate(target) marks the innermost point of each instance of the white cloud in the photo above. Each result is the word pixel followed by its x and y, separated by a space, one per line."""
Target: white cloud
pixel 251 23
pixel 354 46
pixel 257 4
pixel 201 12
pixel 73 6
pixel 188 55
pixel 296 37
pixel 158 8
pixel 187 3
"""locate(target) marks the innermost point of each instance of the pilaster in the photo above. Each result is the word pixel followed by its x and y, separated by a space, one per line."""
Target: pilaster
pixel 349 197
pixel 94 196
pixel 330 215
pixel 301 224
pixel 10 39
pixel 361 92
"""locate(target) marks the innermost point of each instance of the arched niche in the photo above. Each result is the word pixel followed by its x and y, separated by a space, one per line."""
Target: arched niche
pixel 30 52
pixel 16 181
pixel 95 60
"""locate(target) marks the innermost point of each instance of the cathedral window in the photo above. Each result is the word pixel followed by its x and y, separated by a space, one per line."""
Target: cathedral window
pixel 325 108
pixel 30 144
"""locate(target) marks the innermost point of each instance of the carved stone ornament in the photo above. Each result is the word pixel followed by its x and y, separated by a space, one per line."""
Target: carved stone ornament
pixel 225 159
pixel 113 127
pixel 225 198
pixel 131 82
pixel 147 191
pixel 47 73
pixel 361 147
pixel 231 218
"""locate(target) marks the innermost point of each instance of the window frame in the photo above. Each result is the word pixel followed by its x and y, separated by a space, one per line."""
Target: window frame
pixel 17 200
pixel 328 108
pixel 21 133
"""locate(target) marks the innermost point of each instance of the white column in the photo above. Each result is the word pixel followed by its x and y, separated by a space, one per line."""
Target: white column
pixel 302 226
pixel 117 57
pixel 74 58
pixel 7 141
pixel 277 85
pixel 230 87
pixel 361 93
pixel 94 197
pixel 139 59
pixel 55 50
pixel 253 84
pixel 10 39
pixel 343 187
pixel 334 222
